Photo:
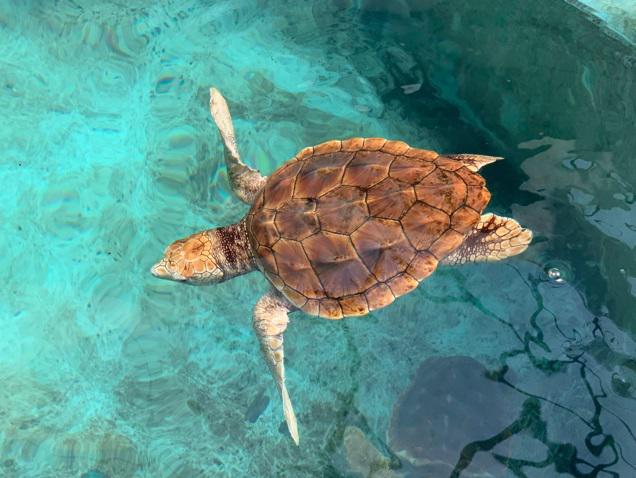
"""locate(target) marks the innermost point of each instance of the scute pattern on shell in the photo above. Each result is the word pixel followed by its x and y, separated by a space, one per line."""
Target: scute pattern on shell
pixel 346 227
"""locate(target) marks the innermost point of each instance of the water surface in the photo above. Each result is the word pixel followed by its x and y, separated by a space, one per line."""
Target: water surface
pixel 109 154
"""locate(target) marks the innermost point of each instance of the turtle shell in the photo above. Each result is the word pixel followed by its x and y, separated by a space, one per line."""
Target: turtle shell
pixel 346 227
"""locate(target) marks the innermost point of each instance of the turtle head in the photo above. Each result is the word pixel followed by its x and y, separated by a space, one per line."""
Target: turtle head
pixel 190 260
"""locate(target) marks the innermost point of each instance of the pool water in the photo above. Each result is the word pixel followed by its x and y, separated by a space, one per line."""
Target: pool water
pixel 109 154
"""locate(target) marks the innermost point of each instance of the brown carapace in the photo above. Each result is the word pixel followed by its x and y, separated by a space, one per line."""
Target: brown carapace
pixel 341 229
pixel 346 227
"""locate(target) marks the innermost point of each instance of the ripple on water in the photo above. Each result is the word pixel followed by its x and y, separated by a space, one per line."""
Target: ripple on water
pixel 62 212
pixel 110 154
pixel 180 164
pixel 114 303
pixel 99 449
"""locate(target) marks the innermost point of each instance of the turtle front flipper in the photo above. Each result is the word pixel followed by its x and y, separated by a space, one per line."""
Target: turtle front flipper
pixel 270 321
pixel 494 238
pixel 245 181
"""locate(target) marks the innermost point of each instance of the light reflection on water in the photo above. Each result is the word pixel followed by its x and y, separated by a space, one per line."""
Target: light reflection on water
pixel 110 154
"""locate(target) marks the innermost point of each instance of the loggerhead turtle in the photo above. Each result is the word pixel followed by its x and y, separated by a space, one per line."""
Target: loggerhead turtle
pixel 341 229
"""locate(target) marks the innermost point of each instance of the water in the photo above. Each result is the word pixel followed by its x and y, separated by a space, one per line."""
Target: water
pixel 619 16
pixel 109 154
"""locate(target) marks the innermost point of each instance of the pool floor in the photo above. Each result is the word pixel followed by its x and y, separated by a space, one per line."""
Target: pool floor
pixel 109 154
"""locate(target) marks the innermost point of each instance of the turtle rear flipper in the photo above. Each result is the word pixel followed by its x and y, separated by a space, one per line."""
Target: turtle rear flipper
pixel 494 238
pixel 245 181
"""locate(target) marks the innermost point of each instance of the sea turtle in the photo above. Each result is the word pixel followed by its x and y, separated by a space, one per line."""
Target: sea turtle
pixel 341 229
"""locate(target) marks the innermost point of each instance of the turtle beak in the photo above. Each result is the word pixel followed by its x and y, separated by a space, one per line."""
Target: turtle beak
pixel 160 270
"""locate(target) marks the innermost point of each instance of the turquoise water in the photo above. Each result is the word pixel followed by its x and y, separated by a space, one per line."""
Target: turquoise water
pixel 109 154
pixel 619 16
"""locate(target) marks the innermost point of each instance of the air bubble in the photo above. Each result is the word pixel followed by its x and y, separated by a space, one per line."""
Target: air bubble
pixel 557 273
pixel 554 274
